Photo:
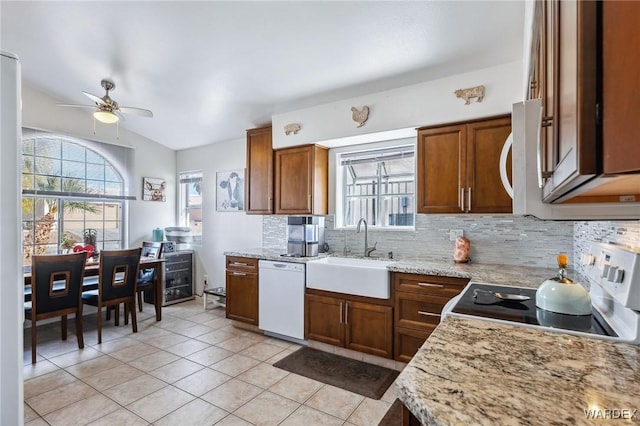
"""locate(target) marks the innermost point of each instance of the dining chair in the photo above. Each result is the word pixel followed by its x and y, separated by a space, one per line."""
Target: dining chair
pixel 147 277
pixel 117 281
pixel 56 290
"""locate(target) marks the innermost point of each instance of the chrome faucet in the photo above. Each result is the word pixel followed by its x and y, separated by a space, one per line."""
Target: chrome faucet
pixel 367 249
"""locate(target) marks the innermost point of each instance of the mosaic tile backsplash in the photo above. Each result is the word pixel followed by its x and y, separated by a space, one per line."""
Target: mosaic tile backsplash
pixel 495 239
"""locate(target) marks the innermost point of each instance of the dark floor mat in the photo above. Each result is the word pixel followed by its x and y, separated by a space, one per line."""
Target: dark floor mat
pixel 346 373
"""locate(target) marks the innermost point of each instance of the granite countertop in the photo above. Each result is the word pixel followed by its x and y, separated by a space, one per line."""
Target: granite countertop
pixel 523 276
pixel 479 372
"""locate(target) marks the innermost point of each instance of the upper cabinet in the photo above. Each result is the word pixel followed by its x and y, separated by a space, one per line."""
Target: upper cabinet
pixel 301 175
pixel 459 167
pixel 587 80
pixel 259 180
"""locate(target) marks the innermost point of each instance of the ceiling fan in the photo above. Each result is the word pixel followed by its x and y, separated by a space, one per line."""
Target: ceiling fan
pixel 108 110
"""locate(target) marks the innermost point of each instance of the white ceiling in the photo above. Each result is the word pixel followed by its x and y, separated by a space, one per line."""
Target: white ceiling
pixel 209 70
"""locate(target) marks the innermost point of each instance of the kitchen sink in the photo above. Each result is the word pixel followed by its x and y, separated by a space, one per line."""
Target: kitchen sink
pixel 362 277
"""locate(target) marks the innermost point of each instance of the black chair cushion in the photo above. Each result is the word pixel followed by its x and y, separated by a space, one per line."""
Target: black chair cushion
pixel 90 297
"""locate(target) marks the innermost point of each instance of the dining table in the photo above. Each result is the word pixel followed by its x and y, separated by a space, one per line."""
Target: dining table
pixel 92 270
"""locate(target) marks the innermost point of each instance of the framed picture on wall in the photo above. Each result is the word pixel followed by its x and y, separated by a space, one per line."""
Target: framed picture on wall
pixel 153 189
pixel 230 191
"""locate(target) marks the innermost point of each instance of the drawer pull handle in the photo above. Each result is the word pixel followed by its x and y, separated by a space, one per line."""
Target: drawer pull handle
pixel 238 264
pixel 341 313
pixel 239 273
pixel 430 285
pixel 428 314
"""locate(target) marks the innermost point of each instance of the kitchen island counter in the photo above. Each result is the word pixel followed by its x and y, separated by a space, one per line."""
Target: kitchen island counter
pixel 479 372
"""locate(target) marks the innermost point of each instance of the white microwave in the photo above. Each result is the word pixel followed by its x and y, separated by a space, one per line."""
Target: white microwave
pixel 525 188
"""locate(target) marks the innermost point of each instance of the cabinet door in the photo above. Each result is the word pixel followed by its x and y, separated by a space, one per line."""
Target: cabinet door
pixel 323 319
pixel 408 341
pixel 441 169
pixel 259 180
pixel 242 296
pixel 294 180
pixel 369 328
pixel 621 84
pixel 574 153
pixel 484 192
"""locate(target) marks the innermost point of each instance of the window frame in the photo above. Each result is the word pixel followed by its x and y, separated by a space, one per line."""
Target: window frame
pixel 183 202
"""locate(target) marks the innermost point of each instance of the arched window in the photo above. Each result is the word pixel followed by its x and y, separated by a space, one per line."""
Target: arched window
pixel 72 194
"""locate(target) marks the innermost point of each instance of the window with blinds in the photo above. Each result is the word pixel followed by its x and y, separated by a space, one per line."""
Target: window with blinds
pixel 190 202
pixel 379 186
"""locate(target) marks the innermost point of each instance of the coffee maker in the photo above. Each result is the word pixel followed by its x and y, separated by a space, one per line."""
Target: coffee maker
pixel 305 235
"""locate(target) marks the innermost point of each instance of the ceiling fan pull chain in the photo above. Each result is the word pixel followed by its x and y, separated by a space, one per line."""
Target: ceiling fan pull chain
pixel 118 130
pixel 94 125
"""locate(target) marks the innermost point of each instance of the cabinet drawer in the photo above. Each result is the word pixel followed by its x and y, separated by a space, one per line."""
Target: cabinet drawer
pixel 418 311
pixel 408 341
pixel 246 264
pixel 447 287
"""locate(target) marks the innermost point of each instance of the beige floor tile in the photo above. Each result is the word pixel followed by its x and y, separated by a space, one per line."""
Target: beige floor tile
pixel 166 341
pixel 115 345
pixel 133 390
pixel 231 395
pixel 36 422
pixel 281 343
pixel 210 355
pixel 277 357
pixel 232 420
pixel 263 375
pixel 82 412
pixel 217 323
pixel 40 368
pixel 369 412
pixel 108 334
pixel 202 381
pixel 203 317
pixel 176 324
pixel 160 403
pixel 115 376
pixel 121 417
pixel 262 351
pixel 155 360
pixel 235 364
pixel 58 347
pixel 307 416
pixel 134 352
pixel 267 409
pixel 296 387
pixel 176 370
pixel 60 397
pixel 391 394
pixel 216 336
pixel 94 366
pixel 195 330
pixel 195 413
pixel 26 355
pixel 335 401
pixel 46 382
pixel 149 331
pixel 237 343
pixel 188 347
pixel 29 414
pixel 76 357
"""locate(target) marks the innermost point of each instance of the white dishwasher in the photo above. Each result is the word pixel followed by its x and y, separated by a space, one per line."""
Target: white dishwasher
pixel 281 298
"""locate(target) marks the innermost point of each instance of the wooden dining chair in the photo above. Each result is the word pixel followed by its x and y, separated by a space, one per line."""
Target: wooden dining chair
pixel 147 277
pixel 56 290
pixel 117 281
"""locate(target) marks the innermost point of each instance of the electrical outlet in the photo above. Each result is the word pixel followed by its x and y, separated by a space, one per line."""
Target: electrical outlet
pixel 455 233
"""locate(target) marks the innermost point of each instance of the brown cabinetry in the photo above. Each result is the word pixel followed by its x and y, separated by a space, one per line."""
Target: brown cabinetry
pixel 301 180
pixel 242 289
pixel 259 179
pixel 459 167
pixel 419 300
pixel 354 324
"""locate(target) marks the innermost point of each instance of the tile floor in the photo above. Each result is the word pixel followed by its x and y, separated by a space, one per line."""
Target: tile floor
pixel 191 368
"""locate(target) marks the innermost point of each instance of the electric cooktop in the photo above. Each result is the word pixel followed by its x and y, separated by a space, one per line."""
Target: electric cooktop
pixel 483 304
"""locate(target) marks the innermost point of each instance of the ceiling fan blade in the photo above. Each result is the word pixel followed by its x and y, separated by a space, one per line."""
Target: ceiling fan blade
pixel 95 98
pixel 137 111
pixel 77 106
pixel 120 116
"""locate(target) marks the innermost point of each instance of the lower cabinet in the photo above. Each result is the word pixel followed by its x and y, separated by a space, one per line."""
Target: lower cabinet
pixel 242 289
pixel 360 324
pixel 419 300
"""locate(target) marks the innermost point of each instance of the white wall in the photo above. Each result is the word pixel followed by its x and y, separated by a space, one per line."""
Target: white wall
pixel 40 111
pixel 222 231
pixel 431 102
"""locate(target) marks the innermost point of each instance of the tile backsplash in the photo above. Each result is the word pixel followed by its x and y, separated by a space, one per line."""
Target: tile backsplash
pixel 495 239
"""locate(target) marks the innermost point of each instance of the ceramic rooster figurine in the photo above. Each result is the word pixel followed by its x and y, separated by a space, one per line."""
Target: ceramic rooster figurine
pixel 360 116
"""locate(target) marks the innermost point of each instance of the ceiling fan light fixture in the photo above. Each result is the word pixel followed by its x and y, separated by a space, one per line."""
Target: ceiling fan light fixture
pixel 107 117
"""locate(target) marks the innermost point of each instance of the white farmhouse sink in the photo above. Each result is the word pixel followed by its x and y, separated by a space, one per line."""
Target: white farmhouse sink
pixel 362 277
